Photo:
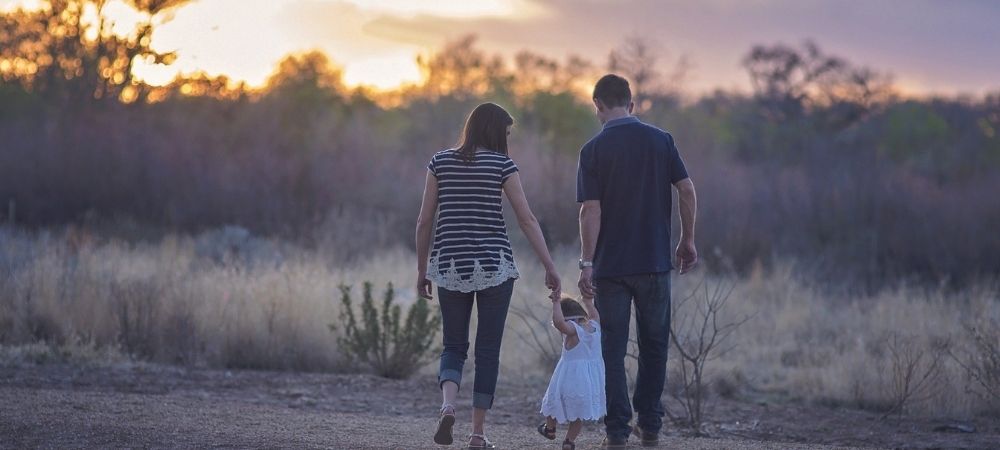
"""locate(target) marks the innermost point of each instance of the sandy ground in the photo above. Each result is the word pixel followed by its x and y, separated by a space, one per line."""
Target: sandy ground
pixel 156 406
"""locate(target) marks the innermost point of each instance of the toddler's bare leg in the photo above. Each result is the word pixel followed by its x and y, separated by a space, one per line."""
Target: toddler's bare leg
pixel 574 430
pixel 550 423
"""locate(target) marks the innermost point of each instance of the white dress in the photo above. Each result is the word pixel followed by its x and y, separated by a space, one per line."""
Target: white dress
pixel 576 390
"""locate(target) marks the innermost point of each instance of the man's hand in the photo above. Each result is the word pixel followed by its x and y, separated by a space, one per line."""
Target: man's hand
pixel 424 286
pixel 586 283
pixel 687 256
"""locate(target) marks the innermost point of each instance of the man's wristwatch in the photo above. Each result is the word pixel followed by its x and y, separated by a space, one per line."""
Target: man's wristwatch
pixel 585 264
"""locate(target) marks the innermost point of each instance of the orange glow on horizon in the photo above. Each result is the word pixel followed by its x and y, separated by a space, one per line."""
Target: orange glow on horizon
pixel 379 64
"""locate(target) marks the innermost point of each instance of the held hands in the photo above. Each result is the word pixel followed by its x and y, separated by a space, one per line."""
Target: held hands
pixel 554 284
pixel 586 283
pixel 687 256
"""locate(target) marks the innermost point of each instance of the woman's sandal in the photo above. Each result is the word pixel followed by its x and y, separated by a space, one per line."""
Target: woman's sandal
pixel 445 423
pixel 568 445
pixel 486 442
pixel 546 432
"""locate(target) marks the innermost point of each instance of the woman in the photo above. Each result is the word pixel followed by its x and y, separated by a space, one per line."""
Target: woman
pixel 471 260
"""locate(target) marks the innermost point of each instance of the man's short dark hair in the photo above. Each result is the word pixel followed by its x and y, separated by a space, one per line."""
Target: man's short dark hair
pixel 613 91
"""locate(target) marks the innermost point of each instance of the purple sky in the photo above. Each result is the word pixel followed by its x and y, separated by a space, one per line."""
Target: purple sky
pixel 928 45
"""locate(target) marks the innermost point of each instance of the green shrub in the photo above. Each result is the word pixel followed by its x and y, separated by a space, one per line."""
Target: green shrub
pixel 379 341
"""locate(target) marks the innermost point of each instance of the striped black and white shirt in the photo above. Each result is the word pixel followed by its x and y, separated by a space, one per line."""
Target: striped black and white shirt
pixel 471 251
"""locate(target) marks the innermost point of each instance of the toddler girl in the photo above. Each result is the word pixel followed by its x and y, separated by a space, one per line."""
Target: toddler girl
pixel 576 391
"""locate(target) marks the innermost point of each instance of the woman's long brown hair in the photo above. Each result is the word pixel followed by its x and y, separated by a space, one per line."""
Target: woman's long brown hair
pixel 486 128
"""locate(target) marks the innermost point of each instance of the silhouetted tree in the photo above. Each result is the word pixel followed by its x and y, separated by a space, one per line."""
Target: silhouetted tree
pixel 311 70
pixel 462 70
pixel 638 60
pixel 59 52
pixel 788 81
pixel 533 73
pixel 202 85
pixel 783 76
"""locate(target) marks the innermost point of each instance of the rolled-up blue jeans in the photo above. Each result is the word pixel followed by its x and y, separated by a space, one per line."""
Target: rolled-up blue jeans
pixel 456 309
pixel 651 295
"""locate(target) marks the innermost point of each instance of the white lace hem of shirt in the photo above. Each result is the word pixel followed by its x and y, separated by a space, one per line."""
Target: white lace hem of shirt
pixel 478 280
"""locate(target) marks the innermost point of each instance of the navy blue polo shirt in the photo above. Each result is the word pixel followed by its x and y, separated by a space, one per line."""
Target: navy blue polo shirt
pixel 630 167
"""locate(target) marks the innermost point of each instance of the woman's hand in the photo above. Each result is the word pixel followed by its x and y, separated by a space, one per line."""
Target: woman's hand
pixel 552 282
pixel 424 286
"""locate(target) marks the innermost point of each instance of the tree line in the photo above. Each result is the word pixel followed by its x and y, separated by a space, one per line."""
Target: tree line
pixel 823 163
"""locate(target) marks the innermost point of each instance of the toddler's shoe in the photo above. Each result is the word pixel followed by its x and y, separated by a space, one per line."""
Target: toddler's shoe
pixel 546 432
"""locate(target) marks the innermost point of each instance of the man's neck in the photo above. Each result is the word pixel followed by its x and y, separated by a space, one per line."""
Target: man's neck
pixel 617 113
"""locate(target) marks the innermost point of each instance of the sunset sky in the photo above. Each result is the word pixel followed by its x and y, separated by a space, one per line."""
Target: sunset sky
pixel 928 45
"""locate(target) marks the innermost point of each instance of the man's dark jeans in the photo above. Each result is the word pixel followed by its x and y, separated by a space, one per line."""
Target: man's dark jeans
pixel 615 295
pixel 456 308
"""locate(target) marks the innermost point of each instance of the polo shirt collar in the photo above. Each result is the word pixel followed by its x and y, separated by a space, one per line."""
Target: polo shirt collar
pixel 620 121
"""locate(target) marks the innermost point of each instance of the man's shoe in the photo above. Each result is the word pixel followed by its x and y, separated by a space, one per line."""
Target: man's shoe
pixel 646 438
pixel 611 442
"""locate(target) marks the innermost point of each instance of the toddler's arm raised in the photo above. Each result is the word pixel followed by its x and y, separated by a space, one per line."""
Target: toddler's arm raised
pixel 559 321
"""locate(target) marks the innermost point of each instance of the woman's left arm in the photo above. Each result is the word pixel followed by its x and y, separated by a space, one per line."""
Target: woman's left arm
pixel 425 224
pixel 529 225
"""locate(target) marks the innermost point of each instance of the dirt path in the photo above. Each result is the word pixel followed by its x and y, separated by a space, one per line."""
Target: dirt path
pixel 155 406
pixel 60 418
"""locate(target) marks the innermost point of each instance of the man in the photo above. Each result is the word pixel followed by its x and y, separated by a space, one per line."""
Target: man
pixel 623 182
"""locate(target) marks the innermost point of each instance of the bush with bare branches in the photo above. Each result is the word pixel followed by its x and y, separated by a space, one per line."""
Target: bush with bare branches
pixel 698 333
pixel 914 371
pixel 536 333
pixel 982 363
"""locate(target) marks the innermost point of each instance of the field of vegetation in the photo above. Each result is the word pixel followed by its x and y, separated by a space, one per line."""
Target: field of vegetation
pixel 228 299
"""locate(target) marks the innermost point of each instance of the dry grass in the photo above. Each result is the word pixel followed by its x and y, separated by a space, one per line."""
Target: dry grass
pixel 226 299
pixel 181 300
pixel 839 350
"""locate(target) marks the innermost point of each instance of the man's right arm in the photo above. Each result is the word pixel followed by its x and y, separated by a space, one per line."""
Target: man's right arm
pixel 588 194
pixel 687 253
pixel 590 228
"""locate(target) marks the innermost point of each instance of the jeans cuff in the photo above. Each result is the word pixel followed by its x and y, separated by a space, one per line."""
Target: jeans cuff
pixel 620 428
pixel 649 425
pixel 481 400
pixel 450 375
